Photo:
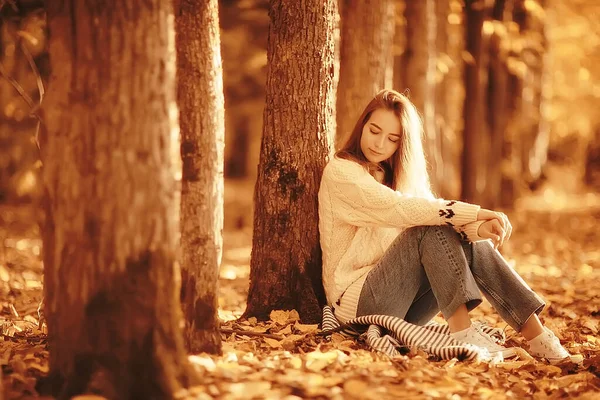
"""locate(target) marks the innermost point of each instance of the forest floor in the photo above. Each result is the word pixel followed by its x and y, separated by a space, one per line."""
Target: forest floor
pixel 555 247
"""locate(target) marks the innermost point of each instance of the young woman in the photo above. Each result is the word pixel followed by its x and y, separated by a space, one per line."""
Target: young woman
pixel 391 248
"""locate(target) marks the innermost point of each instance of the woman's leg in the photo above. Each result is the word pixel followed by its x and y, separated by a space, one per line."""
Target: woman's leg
pixel 516 303
pixel 506 291
pixel 424 270
pixel 428 268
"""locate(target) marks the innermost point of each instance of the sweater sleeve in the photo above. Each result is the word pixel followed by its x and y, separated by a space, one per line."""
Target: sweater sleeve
pixel 470 231
pixel 358 199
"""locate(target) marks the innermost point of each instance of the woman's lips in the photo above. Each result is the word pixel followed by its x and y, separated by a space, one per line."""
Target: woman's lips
pixel 375 152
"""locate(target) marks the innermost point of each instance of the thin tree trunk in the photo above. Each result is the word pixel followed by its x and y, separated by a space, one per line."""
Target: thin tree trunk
pixel 592 162
pixel 338 6
pixel 419 61
pixel 474 134
pixel 537 135
pixel 202 126
pixel 285 269
pixel 453 96
pixel 366 59
pixel 442 11
pixel 109 234
pixel 511 185
pixel 399 46
pixel 497 93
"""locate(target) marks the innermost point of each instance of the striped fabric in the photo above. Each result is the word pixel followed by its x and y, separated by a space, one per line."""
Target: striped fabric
pixel 386 334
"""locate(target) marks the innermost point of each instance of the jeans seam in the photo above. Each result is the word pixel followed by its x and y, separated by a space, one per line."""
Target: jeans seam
pixel 441 237
pixel 499 300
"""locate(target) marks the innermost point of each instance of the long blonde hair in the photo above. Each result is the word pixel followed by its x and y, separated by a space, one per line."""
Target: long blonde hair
pixel 406 169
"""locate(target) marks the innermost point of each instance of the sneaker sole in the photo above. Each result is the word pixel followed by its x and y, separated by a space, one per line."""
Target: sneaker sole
pixel 506 353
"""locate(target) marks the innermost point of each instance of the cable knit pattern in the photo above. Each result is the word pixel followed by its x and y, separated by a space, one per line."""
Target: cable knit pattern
pixel 359 218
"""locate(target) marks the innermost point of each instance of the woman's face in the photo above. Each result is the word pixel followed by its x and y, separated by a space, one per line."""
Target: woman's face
pixel 380 135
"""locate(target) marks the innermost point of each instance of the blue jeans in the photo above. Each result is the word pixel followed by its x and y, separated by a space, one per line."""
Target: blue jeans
pixel 428 269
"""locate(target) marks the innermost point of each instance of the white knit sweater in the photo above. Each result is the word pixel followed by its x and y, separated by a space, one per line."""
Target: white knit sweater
pixel 359 218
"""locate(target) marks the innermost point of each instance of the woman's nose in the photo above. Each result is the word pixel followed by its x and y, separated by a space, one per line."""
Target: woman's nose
pixel 379 141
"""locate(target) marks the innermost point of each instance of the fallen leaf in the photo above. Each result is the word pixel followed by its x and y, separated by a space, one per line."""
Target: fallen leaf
pixel 305 328
pixel 279 316
pixel 276 344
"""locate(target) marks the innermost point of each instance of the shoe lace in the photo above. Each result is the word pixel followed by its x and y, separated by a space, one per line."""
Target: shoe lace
pixel 479 326
pixel 480 330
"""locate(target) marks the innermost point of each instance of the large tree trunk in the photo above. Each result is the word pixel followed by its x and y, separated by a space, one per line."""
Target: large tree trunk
pixel 201 119
pixel 475 140
pixel 366 59
pixel 419 62
pixel 111 281
pixel 285 270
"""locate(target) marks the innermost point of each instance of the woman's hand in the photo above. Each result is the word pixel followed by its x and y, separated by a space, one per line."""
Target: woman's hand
pixel 502 219
pixel 491 229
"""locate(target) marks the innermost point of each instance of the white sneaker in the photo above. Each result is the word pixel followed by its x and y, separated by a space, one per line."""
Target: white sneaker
pixel 547 346
pixel 475 336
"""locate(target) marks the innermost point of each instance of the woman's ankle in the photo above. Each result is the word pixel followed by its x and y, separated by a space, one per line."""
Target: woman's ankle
pixel 532 328
pixel 460 320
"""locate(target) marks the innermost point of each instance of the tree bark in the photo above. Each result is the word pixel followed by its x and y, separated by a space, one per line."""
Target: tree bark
pixel 111 278
pixel 285 269
pixel 201 118
pixel 366 59
pixel 419 61
pixel 474 135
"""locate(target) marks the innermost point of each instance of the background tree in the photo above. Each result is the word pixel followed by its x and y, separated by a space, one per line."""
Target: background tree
pixel 497 98
pixel 526 137
pixel 285 269
pixel 201 119
pixel 110 229
pixel 418 71
pixel 535 55
pixel 243 35
pixel 449 94
pixel 475 139
pixel 366 58
pixel 23 63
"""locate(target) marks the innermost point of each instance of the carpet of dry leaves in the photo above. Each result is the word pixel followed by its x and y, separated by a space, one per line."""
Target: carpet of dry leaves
pixel 555 247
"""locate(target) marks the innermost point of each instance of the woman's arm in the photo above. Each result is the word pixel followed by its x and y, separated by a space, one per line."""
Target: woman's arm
pixel 490 229
pixel 357 198
pixel 470 232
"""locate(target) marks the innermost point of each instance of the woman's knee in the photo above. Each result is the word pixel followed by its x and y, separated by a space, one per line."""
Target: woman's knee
pixel 442 235
pixel 415 231
pixel 444 231
pixel 437 233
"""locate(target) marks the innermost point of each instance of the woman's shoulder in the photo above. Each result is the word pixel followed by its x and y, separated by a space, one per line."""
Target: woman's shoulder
pixel 340 164
pixel 339 169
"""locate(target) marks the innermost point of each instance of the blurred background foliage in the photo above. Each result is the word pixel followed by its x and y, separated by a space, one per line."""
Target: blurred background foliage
pixel 560 37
